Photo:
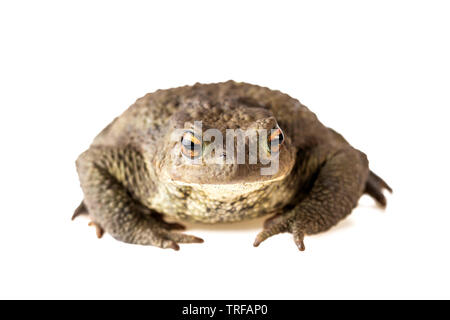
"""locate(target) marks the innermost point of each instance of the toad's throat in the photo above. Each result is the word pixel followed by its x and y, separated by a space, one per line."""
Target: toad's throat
pixel 211 203
pixel 227 191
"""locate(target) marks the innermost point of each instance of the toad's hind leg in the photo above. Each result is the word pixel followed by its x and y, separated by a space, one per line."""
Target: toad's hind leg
pixel 374 188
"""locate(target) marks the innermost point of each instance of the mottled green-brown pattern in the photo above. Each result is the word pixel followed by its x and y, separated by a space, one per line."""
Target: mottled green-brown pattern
pixel 134 172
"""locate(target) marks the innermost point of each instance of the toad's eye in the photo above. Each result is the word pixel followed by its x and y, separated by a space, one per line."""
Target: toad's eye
pixel 191 145
pixel 275 140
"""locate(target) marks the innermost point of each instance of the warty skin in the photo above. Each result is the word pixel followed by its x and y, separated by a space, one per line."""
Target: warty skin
pixel 134 173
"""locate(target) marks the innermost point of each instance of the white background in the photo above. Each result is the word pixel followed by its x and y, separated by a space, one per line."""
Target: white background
pixel 378 72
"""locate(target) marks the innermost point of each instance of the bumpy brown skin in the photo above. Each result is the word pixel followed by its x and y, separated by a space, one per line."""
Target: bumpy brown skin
pixel 134 174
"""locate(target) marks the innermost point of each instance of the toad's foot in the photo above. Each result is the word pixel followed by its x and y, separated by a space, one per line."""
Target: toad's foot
pixel 81 210
pixel 153 230
pixel 335 192
pixel 163 238
pixel 159 232
pixel 282 223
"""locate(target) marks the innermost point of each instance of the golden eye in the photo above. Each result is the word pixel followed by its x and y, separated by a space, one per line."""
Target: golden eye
pixel 191 145
pixel 275 140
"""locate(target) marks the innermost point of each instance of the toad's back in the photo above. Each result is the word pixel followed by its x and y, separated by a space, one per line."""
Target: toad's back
pixel 150 114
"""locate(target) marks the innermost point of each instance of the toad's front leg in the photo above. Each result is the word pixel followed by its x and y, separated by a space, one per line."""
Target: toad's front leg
pixel 340 182
pixel 113 179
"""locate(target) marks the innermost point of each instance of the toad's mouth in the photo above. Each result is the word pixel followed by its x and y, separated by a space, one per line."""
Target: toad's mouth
pixel 232 176
pixel 234 183
pixel 231 185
